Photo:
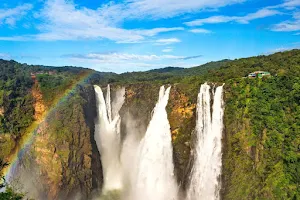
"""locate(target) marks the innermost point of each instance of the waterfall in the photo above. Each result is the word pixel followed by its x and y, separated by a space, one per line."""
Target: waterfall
pixel 107 137
pixel 108 103
pixel 155 169
pixel 146 170
pixel 206 171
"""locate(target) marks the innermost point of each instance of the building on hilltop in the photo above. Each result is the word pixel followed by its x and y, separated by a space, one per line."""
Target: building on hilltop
pixel 259 74
pixel 33 75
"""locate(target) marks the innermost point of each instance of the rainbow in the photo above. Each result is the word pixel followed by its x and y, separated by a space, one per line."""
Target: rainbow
pixel 28 138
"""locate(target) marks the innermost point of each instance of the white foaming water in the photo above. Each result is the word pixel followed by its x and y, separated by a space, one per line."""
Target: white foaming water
pixel 154 178
pixel 108 103
pixel 206 171
pixel 107 137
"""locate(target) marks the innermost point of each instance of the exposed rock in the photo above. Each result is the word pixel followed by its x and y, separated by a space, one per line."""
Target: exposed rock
pixel 182 118
pixel 2 111
pixel 39 106
pixel 140 100
pixel 49 161
pixel 64 149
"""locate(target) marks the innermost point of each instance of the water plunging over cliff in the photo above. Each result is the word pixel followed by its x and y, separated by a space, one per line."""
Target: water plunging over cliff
pixel 155 169
pixel 107 137
pixel 206 171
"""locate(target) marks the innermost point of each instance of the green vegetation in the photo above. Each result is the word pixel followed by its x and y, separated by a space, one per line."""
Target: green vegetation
pixel 15 98
pixel 111 195
pixel 262 158
pixel 16 101
pixel 52 86
pixel 9 194
pixel 2 179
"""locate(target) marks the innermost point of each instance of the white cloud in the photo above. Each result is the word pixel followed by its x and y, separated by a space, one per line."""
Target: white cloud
pixel 12 15
pixel 16 38
pixel 239 19
pixel 122 62
pixel 167 50
pixel 120 57
pixel 5 56
pixel 63 20
pixel 289 25
pixel 282 49
pixel 170 8
pixel 155 31
pixel 291 3
pixel 288 47
pixel 287 4
pixel 167 41
pixel 200 30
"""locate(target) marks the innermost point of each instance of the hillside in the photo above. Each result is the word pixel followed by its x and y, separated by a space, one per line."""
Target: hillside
pixel 167 70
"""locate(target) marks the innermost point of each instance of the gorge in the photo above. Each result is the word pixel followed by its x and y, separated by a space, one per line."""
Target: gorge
pixel 174 135
pixel 152 171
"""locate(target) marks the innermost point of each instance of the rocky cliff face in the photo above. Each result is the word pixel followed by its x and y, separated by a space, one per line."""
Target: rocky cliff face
pixel 64 154
pixel 39 105
pixel 136 112
pixel 73 127
pixel 182 117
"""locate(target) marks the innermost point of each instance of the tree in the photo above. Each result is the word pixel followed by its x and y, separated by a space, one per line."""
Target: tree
pixel 2 179
pixel 9 194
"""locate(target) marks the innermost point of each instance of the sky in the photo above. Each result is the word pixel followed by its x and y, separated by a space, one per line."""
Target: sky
pixel 138 35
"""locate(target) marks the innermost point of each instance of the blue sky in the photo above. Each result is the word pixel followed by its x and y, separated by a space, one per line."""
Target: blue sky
pixel 138 35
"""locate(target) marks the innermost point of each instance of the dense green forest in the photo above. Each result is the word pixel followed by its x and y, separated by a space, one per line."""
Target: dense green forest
pixel 9 194
pixel 16 101
pixel 262 156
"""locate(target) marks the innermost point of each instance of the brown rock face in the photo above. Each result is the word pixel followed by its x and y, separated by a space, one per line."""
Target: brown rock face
pixel 1 111
pixel 39 106
pixel 64 154
pixel 140 100
pixel 181 108
pixel 182 117
pixel 49 161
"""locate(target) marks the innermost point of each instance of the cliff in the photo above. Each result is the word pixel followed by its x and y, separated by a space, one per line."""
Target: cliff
pixel 261 134
pixel 65 149
pixel 63 159
pixel 136 112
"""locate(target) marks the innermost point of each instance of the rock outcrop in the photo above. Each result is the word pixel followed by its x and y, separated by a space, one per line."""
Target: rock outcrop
pixel 64 153
pixel 39 106
pixel 136 113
